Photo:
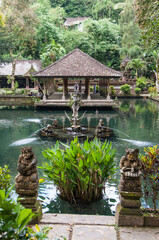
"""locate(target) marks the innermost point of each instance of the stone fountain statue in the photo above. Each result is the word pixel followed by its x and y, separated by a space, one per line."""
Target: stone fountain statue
pixel 103 131
pixel 27 182
pixel 75 103
pixel 49 130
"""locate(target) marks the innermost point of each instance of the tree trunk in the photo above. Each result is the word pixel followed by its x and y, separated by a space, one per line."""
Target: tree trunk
pixel 13 70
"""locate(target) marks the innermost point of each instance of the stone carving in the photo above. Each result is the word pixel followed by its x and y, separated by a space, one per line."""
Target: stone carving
pixel 103 131
pixel 27 182
pixel 130 162
pixel 55 123
pixel 27 179
pixel 130 173
pixel 100 126
pixel 128 212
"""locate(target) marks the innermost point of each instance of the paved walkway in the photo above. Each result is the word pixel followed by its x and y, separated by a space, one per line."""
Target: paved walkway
pixel 93 227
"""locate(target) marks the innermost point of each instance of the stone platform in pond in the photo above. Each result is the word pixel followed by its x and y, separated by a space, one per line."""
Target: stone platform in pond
pixel 85 103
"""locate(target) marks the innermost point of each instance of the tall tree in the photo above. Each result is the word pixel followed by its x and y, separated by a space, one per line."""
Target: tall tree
pixel 129 30
pixel 19 31
pixel 138 65
pixel 147 12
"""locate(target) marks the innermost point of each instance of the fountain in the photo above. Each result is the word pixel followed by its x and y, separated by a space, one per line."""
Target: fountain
pixel 75 130
pixel 102 131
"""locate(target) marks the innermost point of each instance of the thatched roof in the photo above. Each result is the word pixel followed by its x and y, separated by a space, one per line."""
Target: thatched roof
pixel 23 68
pixel 74 21
pixel 77 64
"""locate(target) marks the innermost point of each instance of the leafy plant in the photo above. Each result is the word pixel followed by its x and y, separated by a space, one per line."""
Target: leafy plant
pixel 149 166
pixel 141 83
pixel 112 90
pixel 21 91
pixel 80 170
pixel 5 178
pixel 137 90
pixel 39 234
pixel 152 91
pixel 125 88
pixel 13 218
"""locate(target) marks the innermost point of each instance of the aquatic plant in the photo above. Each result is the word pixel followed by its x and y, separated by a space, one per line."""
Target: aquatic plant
pixel 149 166
pixel 80 170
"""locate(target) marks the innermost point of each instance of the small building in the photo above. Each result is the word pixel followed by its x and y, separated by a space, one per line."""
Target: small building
pixel 77 65
pixel 23 72
pixel 75 22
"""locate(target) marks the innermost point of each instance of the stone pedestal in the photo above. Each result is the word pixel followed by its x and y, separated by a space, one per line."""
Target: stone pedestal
pixel 128 212
pixel 27 183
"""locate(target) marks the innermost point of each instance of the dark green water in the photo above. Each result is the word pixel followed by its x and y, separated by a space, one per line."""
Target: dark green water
pixel 136 125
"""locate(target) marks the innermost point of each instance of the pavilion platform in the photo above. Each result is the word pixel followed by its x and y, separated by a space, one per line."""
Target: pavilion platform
pixel 85 103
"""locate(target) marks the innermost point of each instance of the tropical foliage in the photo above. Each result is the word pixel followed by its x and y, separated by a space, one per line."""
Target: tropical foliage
pixel 148 19
pixel 125 88
pixel 5 178
pixel 138 65
pixel 13 217
pixel 149 163
pixel 80 170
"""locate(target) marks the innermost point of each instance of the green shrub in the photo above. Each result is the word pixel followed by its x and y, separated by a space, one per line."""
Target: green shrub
pixel 141 83
pixel 112 90
pixel 60 90
pixel 80 170
pixel 9 92
pixel 137 90
pixel 21 91
pixel 149 166
pixel 152 91
pixel 125 89
pixel 91 89
pixel 5 178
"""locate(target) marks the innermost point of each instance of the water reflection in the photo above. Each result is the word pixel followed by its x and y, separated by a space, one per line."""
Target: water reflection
pixel 139 126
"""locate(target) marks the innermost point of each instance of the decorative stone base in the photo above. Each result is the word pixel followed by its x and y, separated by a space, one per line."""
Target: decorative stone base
pixel 130 219
pixel 38 214
pixel 151 220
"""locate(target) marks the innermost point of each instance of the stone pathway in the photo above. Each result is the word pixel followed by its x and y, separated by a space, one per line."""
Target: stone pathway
pixel 93 227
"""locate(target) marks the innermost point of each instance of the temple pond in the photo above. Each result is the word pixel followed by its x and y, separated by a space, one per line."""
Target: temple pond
pixel 135 125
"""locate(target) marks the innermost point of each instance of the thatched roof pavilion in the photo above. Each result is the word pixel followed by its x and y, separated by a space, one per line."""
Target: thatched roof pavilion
pixel 77 64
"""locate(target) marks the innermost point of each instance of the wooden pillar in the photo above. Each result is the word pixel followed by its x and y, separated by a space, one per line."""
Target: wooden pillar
pixel 65 88
pixel 108 95
pixel 44 96
pixel 87 88
pixel 27 82
pixel 36 84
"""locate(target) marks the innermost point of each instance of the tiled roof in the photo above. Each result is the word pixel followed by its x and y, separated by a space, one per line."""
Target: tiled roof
pixel 74 21
pixel 77 64
pixel 22 67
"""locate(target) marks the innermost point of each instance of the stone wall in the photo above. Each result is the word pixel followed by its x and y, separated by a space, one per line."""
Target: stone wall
pixel 13 100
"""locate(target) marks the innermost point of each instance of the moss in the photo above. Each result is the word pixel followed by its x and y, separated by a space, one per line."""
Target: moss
pixel 131 195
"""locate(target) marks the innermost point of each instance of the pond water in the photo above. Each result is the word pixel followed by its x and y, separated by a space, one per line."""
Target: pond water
pixel 135 125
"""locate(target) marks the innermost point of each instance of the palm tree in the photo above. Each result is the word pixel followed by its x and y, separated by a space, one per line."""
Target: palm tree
pixel 137 65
